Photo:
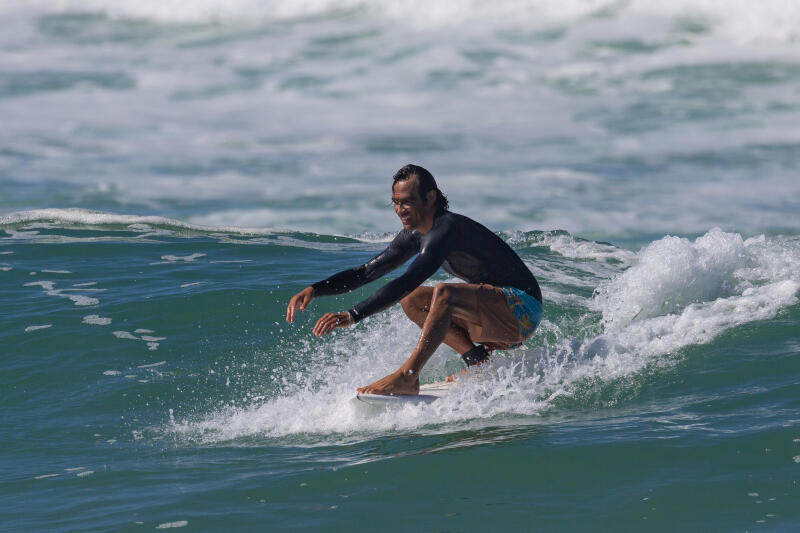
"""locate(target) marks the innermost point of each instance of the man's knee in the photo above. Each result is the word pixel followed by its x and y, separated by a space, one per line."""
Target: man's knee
pixel 407 304
pixel 443 294
pixel 418 300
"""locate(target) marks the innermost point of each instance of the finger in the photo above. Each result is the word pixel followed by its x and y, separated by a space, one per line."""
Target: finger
pixel 320 325
pixel 332 323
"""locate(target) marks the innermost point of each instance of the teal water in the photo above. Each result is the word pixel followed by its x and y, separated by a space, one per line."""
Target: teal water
pixel 163 387
pixel 172 173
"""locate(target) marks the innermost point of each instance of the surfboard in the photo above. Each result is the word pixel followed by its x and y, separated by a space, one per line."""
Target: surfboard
pixel 427 393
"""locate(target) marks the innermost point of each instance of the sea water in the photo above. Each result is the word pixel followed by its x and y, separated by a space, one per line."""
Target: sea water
pixel 171 173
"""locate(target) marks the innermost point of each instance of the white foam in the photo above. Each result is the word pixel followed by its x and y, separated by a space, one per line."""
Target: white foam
pixel 152 365
pixel 85 473
pixel 112 373
pixel 672 273
pixel 56 271
pixel 125 335
pixel 77 299
pixel 97 320
pixel 152 346
pixel 185 258
pixel 81 300
pixel 169 525
pixel 737 282
pixel 45 476
pixel 98 218
pixel 151 339
pixel 5 267
pixel 573 248
pixel 142 330
pixel 34 328
pixel 741 20
pixel 46 285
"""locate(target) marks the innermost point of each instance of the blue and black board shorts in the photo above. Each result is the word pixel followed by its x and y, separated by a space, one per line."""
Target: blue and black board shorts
pixel 508 316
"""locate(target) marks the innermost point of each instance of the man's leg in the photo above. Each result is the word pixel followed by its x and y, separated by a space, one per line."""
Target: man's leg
pixel 449 302
pixel 417 305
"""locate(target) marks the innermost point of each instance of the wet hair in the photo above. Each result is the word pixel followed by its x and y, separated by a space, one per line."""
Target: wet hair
pixel 425 184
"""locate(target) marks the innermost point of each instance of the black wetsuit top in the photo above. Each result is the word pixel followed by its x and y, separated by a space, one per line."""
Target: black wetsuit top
pixel 463 247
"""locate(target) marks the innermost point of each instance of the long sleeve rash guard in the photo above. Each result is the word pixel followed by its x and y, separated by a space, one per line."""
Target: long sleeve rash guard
pixel 463 247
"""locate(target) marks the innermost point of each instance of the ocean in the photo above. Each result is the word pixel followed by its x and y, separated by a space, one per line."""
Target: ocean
pixel 173 172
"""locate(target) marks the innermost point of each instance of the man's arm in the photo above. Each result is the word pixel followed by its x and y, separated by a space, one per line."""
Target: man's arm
pixel 397 253
pixel 436 246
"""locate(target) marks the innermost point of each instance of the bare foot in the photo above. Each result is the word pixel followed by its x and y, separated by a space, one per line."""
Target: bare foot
pixel 397 382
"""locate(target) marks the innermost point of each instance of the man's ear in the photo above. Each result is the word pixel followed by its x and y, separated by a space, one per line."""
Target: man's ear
pixel 430 198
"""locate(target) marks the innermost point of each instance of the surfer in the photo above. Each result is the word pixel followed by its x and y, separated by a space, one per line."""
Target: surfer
pixel 498 308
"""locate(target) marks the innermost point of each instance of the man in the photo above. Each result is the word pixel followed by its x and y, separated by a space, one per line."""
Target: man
pixel 499 306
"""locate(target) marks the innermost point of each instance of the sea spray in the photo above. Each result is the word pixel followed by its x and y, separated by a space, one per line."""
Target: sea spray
pixel 711 285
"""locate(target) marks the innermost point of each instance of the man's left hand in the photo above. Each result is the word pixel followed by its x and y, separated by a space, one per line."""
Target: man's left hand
pixel 331 321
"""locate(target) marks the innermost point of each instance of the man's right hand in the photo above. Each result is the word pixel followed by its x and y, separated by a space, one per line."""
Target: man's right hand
pixel 299 301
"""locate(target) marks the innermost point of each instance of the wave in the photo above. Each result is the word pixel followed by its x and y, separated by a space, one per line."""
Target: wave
pixel 87 217
pixel 671 295
pixel 27 224
pixel 614 319
pixel 740 20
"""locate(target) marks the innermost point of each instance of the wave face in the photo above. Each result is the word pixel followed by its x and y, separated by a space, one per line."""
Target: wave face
pixel 148 348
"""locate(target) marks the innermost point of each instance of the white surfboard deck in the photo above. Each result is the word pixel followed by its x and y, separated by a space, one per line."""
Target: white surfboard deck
pixel 427 393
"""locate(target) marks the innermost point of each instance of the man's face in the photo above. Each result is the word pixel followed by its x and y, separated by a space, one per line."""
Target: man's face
pixel 407 203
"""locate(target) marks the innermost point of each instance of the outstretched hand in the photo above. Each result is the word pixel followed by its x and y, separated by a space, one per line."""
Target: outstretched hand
pixel 299 301
pixel 331 321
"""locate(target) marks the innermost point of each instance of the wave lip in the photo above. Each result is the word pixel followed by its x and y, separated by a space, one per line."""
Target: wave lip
pixel 149 225
pixel 99 218
pixel 673 273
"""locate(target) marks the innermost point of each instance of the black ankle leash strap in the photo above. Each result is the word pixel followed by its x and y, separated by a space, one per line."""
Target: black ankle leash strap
pixel 476 355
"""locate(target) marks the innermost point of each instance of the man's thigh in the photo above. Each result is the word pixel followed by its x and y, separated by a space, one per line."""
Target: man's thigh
pixel 484 312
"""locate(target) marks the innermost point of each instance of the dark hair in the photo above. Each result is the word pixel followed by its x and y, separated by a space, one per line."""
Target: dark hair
pixel 425 184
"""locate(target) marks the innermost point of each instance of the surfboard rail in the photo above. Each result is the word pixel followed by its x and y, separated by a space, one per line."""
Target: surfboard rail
pixel 428 393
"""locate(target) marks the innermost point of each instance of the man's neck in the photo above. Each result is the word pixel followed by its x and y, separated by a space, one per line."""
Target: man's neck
pixel 427 224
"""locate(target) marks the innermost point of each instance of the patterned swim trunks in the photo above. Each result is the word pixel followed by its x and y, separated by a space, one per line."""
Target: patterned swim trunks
pixel 526 308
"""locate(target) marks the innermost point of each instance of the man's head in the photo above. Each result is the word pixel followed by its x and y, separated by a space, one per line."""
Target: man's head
pixel 416 198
